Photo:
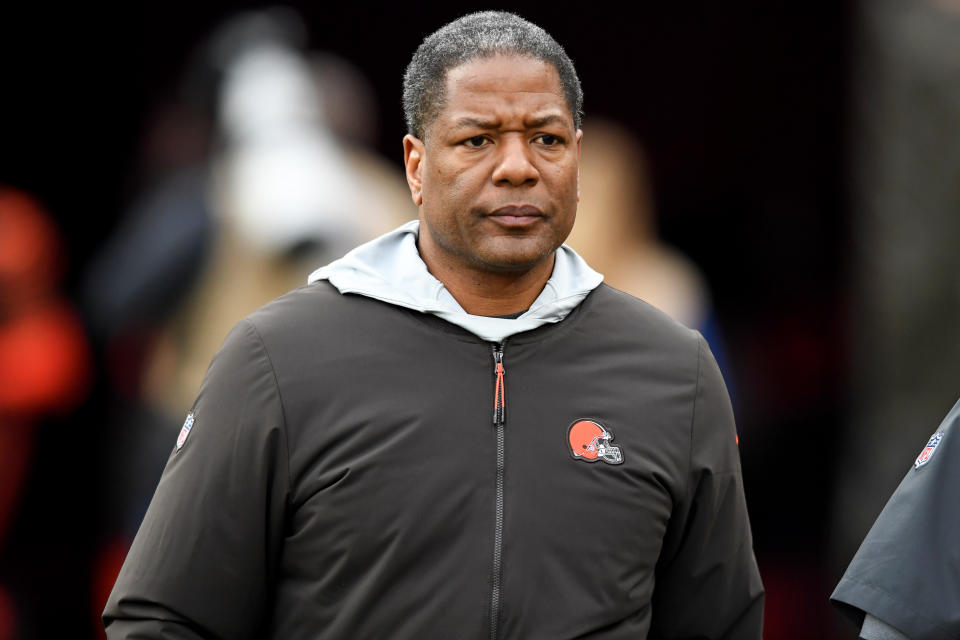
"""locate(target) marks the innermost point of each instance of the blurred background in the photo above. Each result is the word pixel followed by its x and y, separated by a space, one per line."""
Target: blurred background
pixel 784 177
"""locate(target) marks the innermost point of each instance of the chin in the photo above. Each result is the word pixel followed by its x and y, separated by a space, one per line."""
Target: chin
pixel 514 261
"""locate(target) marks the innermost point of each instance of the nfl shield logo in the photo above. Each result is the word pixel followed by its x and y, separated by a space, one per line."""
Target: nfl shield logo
pixel 928 450
pixel 187 425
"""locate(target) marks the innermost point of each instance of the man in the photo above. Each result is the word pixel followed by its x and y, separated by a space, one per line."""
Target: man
pixel 904 581
pixel 352 467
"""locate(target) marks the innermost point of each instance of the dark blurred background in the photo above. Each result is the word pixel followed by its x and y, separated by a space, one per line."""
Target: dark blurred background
pixel 802 158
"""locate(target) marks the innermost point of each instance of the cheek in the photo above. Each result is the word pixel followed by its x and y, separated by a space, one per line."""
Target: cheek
pixel 452 185
pixel 563 179
pixel 441 179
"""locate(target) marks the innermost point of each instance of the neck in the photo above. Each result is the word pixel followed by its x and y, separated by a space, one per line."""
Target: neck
pixel 484 293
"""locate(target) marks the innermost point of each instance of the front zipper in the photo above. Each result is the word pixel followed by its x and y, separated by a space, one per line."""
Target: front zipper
pixel 499 419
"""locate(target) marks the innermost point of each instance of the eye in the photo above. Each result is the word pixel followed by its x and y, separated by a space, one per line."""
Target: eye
pixel 475 141
pixel 548 139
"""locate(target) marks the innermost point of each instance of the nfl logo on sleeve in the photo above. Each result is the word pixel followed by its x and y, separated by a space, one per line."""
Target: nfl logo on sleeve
pixel 185 431
pixel 928 450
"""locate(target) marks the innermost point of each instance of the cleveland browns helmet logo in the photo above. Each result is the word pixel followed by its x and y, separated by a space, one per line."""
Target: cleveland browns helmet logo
pixel 590 441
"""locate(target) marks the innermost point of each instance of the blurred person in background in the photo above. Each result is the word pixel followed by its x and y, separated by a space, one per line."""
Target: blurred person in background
pixel 616 232
pixel 341 472
pixel 904 581
pixel 45 365
pixel 266 194
pixel 287 190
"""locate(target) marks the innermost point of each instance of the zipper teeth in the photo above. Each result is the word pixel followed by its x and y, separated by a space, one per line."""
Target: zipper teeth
pixel 499 418
pixel 497 538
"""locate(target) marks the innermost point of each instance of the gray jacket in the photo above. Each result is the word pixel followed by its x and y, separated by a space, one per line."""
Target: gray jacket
pixel 906 574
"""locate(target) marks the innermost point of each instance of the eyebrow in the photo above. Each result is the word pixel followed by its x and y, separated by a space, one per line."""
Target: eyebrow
pixel 469 121
pixel 541 121
pixel 530 123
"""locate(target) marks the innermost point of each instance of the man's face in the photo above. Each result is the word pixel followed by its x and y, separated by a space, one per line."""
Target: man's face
pixel 497 175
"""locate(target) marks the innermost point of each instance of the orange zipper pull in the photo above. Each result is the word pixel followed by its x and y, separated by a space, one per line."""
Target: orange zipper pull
pixel 499 393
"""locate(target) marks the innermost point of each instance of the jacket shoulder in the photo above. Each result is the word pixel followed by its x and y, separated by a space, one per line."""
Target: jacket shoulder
pixel 315 307
pixel 621 313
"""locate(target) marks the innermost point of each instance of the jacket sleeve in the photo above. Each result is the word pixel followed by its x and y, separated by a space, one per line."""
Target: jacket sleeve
pixel 905 571
pixel 707 583
pixel 203 562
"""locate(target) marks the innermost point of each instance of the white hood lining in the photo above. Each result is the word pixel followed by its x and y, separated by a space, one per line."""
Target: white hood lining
pixel 390 269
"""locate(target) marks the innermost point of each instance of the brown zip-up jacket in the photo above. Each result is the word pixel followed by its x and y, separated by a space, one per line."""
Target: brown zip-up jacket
pixel 360 470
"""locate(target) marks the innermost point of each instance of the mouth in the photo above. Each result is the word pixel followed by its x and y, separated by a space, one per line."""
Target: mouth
pixel 516 216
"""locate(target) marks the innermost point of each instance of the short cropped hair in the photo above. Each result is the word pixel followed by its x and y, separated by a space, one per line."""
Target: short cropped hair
pixel 479 35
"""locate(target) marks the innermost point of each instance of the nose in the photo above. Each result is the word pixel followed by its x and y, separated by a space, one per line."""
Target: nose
pixel 515 163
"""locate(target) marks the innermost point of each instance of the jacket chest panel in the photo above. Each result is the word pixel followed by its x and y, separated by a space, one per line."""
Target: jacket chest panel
pixel 584 531
pixel 393 478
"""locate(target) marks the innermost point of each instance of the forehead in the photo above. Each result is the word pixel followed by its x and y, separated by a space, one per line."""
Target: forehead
pixel 505 84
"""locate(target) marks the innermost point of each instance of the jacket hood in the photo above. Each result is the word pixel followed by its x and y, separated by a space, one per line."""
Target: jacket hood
pixel 390 269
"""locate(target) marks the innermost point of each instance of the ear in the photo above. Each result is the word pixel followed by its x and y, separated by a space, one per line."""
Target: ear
pixel 579 138
pixel 413 157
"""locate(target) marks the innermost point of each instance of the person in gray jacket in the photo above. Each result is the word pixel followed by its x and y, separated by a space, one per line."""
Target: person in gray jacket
pixel 456 430
pixel 904 581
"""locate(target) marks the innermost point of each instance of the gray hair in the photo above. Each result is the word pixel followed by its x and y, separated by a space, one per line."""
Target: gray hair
pixel 479 35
